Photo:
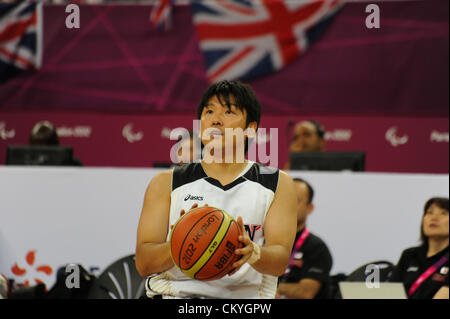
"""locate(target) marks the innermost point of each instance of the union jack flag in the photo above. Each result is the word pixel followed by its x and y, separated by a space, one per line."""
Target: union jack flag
pixel 242 39
pixel 161 15
pixel 20 37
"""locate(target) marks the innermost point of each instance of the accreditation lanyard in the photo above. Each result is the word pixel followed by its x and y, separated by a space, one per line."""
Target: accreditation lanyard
pixel 298 245
pixel 427 274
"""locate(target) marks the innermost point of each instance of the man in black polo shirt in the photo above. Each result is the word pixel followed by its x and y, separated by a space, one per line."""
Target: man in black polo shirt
pixel 307 276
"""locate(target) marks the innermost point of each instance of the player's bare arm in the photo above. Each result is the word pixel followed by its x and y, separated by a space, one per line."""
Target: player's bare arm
pixel 152 249
pixel 279 232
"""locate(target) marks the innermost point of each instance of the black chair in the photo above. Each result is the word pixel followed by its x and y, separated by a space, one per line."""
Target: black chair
pixel 60 290
pixel 334 292
pixel 119 280
pixel 33 292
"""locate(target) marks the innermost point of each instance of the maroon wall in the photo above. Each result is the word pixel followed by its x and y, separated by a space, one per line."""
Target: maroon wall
pixel 116 62
pixel 116 70
pixel 100 140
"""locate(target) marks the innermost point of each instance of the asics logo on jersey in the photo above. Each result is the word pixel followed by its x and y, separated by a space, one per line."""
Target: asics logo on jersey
pixel 191 197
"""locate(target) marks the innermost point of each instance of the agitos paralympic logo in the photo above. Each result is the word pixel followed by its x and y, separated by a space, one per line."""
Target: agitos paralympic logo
pixel 22 272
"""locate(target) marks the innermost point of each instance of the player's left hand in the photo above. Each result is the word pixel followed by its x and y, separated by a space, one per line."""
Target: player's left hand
pixel 245 251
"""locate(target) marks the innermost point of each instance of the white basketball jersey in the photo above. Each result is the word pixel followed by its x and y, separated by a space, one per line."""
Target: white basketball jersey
pixel 249 196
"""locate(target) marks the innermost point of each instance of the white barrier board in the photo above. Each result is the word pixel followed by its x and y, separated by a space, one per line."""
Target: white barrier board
pixel 90 216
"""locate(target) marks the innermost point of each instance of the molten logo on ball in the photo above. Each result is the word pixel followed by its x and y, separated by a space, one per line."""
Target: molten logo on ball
pixel 203 242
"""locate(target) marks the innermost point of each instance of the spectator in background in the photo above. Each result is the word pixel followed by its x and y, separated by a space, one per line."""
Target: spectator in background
pixel 424 269
pixel 192 146
pixel 309 136
pixel 187 152
pixel 44 133
pixel 307 275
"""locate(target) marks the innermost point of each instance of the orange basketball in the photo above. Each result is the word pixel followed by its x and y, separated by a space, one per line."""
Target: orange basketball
pixel 203 241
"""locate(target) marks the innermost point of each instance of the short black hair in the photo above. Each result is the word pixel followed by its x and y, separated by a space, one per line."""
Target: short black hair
pixel 310 189
pixel 243 94
pixel 244 98
pixel 441 202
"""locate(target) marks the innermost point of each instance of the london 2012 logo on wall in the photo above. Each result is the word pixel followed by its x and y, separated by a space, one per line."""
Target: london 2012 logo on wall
pixel 29 274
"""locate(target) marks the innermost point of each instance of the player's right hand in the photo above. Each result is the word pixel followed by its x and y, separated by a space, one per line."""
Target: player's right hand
pixel 245 251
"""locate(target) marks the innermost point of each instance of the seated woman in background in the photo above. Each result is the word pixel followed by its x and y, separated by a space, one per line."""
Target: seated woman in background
pixel 45 133
pixel 424 269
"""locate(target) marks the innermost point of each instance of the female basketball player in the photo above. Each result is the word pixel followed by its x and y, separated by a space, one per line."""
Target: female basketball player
pixel 264 200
